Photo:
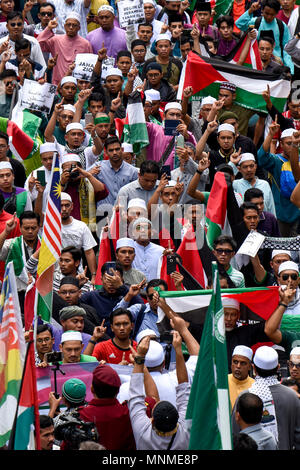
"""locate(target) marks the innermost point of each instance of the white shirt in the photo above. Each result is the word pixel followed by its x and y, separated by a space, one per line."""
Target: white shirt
pixel 147 259
pixel 77 234
pixel 33 194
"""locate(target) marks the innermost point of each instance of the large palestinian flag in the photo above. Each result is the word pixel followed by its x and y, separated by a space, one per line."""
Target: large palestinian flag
pixel 205 75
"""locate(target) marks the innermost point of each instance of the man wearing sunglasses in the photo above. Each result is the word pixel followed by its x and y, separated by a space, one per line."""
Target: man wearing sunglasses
pixel 224 250
pixel 288 275
pixel 294 364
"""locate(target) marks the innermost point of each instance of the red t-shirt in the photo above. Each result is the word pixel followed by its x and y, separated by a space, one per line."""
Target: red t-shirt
pixel 4 217
pixel 111 353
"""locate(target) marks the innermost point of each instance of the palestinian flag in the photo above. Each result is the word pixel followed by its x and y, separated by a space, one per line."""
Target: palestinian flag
pixel 135 129
pixel 24 141
pixel 205 74
pixel 253 60
pixel 108 241
pixel 222 211
pixel 208 412
pixel 259 303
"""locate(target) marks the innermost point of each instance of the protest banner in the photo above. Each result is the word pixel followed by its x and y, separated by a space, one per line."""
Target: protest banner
pixel 84 66
pixel 36 96
pixel 131 12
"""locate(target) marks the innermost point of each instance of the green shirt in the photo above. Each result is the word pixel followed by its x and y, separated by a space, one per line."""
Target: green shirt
pixel 243 114
pixel 85 358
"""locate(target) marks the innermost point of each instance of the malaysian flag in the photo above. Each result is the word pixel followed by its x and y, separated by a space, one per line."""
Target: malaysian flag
pixel 50 246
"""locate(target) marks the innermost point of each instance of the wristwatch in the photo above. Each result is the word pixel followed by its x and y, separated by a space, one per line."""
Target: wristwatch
pixel 139 360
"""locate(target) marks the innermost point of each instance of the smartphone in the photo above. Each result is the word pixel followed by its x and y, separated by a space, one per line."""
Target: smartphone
pixel 166 337
pixel 53 357
pixel 41 177
pixel 88 119
pixel 180 141
pixel 170 126
pixel 171 264
pixel 167 170
pixel 110 266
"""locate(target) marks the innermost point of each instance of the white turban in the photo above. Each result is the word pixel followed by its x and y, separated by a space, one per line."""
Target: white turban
pixel 71 336
pixel 65 197
pixel 113 71
pixel 70 157
pixel 280 252
pixel 245 157
pixel 74 125
pixel 287 132
pixel 74 16
pixel 243 351
pixel 137 202
pixel 5 166
pixel 125 242
pixel 288 266
pixel 106 8
pixel 266 358
pixel 48 147
pixel 226 127
pixel 152 94
pixel 173 105
pixel 68 79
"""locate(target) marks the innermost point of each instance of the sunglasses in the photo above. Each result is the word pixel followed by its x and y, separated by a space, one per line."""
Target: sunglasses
pixel 46 13
pixel 13 25
pixel 221 250
pixel 294 277
pixel 292 364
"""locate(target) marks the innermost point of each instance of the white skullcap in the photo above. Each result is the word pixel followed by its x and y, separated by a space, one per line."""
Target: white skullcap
pixel 107 8
pixel 127 147
pixel 137 202
pixel 74 125
pixel 173 105
pixel 230 303
pixel 266 358
pixel 163 37
pixel 71 336
pixel 295 351
pixel 149 100
pixel 150 1
pixel 73 15
pixel 245 157
pixel 113 71
pixel 280 252
pixel 152 94
pixel 5 166
pixel 288 266
pixel 171 184
pixel 125 242
pixel 208 100
pixel 226 127
pixel 243 351
pixel 67 79
pixel 141 220
pixel 69 107
pixel 143 333
pixel 70 157
pixel 155 355
pixel 48 147
pixel 65 197
pixel 287 132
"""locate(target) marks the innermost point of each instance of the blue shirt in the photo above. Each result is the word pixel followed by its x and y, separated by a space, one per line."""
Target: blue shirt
pixel 241 186
pixel 114 180
pixel 149 320
pixel 147 259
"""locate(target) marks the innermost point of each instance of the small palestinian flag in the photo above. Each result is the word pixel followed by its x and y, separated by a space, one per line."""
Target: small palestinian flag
pixel 205 74
pixel 108 242
pixel 135 129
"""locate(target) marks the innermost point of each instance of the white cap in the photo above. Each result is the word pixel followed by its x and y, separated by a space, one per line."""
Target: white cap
pixel 226 127
pixel 141 220
pixel 71 336
pixel 113 71
pixel 143 333
pixel 69 107
pixel 155 355
pixel 266 358
pixel 162 37
pixel 74 125
pixel 287 132
pixel 137 202
pixel 230 303
pixel 171 184
pixel 245 157
pixel 70 157
pixel 243 351
pixel 125 242
pixel 150 1
pixel 107 8
pixel 67 79
pixel 208 100
pixel 280 252
pixel 173 105
pixel 73 15
pixel 152 94
pixel 65 197
pixel 295 351
pixel 288 266
pixel 127 147
pixel 5 166
pixel 48 147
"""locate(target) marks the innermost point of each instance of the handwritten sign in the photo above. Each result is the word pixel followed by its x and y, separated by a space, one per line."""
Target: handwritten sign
pixel 84 66
pixel 251 244
pixel 131 12
pixel 37 97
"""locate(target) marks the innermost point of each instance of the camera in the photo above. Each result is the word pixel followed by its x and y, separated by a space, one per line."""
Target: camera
pixel 53 357
pixel 166 337
pixel 72 430
pixel 73 174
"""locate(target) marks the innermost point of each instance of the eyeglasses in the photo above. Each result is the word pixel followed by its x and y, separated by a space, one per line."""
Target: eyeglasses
pixel 46 13
pixel 2 147
pixel 292 364
pixel 9 83
pixel 13 25
pixel 221 250
pixel 43 340
pixel 294 277
pixel 138 51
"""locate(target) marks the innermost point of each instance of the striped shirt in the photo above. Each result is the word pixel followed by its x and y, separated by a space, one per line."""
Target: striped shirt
pixel 236 276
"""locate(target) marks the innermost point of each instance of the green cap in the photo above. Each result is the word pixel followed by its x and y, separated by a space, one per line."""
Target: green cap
pixel 74 390
pixel 228 115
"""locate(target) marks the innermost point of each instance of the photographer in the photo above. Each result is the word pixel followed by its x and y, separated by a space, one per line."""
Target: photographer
pixel 73 395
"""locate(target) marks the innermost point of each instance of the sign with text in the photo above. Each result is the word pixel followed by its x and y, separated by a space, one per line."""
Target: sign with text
pixel 37 97
pixel 251 244
pixel 84 66
pixel 131 12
